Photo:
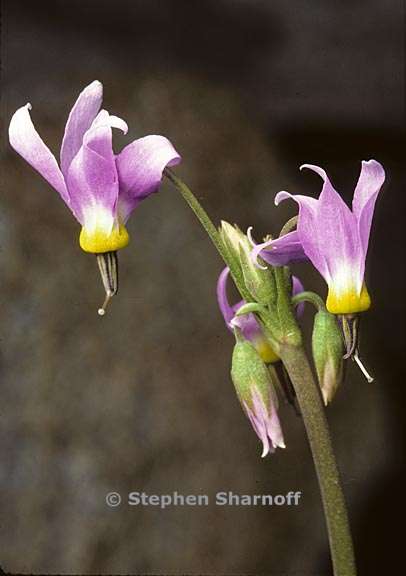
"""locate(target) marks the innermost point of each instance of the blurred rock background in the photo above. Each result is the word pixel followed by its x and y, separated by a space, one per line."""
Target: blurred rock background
pixel 142 399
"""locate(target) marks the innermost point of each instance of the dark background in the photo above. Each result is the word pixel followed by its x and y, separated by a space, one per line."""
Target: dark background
pixel 142 399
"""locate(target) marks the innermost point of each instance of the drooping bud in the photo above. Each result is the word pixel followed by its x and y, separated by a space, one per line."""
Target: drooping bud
pixel 255 390
pixel 259 281
pixel 328 351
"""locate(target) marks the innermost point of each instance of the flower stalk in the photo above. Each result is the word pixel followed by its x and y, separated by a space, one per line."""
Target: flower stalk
pixel 211 230
pixel 308 397
pixel 290 350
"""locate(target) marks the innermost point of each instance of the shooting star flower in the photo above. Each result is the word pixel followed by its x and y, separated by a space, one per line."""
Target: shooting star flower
pixel 100 188
pixel 333 237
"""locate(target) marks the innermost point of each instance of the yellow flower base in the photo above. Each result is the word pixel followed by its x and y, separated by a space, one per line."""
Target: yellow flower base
pixel 266 351
pixel 98 241
pixel 348 302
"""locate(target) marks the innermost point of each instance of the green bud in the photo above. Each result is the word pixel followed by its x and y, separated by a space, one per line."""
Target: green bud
pixel 328 351
pixel 255 390
pixel 231 237
pixel 260 283
pixel 248 371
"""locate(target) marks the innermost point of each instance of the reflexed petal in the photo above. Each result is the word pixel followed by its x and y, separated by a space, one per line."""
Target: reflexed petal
pixel 297 286
pixel 119 123
pixel 140 166
pixel 280 251
pixel 369 184
pixel 92 182
pixel 92 176
pixel 336 235
pixel 99 135
pixel 307 229
pixel 103 118
pixel 328 233
pixel 27 142
pixel 80 118
pixel 225 308
pixel 248 325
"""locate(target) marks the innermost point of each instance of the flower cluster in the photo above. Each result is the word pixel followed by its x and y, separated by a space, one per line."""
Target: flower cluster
pixel 102 189
pixel 335 240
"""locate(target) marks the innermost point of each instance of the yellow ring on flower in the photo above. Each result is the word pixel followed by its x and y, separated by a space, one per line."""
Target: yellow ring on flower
pixel 348 302
pixel 97 241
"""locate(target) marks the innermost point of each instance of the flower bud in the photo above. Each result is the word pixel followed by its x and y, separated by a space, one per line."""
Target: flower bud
pixel 328 350
pixel 231 237
pixel 259 282
pixel 255 390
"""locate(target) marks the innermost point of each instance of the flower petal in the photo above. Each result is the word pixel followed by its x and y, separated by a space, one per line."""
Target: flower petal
pixel 140 166
pixel 99 135
pixel 265 421
pixel 336 235
pixel 27 142
pixel 104 118
pixel 328 232
pixel 307 229
pixel 225 308
pixel 281 251
pixel 274 430
pixel 259 427
pixel 92 176
pixel 297 286
pixel 119 123
pixel 248 325
pixel 370 181
pixel 80 118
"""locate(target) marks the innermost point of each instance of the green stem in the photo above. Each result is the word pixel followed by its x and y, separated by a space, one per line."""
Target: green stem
pixel 308 396
pixel 311 297
pixel 290 332
pixel 211 230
